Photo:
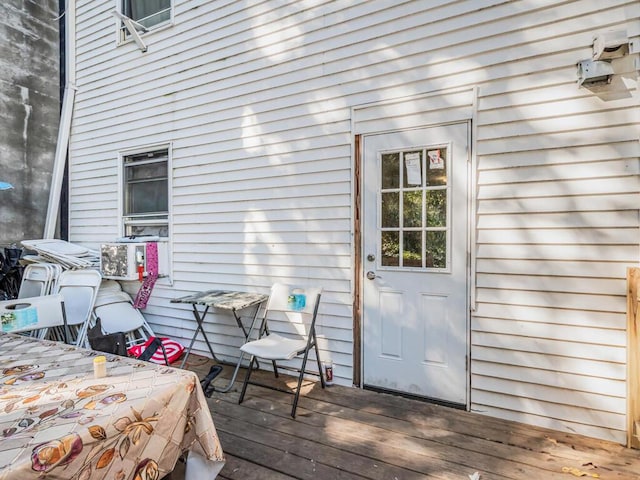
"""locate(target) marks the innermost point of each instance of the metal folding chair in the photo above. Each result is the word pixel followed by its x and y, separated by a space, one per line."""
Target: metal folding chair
pixel 117 314
pixel 297 309
pixel 39 279
pixel 79 289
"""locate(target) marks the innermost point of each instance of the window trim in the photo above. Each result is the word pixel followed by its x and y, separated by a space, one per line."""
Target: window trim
pixel 121 186
pixel 122 38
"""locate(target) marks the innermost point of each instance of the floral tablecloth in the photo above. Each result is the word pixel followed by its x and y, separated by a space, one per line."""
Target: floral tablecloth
pixel 58 421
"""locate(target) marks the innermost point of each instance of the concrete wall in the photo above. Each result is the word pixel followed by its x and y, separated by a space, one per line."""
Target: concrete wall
pixel 29 113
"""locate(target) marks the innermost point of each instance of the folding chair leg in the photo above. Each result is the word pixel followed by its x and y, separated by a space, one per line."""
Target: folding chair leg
pixel 315 346
pixel 246 380
pixel 275 368
pixel 81 340
pixel 164 354
pixel 297 394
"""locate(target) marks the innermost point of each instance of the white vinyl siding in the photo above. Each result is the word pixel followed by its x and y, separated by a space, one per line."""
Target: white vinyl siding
pixel 557 226
pixel 258 99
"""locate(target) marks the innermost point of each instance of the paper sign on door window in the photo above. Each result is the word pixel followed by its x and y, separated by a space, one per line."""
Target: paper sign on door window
pixel 435 160
pixel 412 163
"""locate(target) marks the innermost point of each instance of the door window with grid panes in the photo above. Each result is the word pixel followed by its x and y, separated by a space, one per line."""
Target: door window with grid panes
pixel 413 208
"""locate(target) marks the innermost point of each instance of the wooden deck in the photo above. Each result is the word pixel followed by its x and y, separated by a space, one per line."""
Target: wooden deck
pixel 352 434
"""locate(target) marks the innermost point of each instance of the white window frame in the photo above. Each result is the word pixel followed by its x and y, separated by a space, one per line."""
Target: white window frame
pixel 125 35
pixel 121 183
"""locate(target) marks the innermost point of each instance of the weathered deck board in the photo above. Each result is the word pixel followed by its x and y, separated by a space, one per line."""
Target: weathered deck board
pixel 352 434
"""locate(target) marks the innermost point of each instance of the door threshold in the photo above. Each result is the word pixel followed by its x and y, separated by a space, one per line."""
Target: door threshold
pixel 436 401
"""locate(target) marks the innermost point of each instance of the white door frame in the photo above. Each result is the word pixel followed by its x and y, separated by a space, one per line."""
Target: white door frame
pixel 438 107
pixel 358 250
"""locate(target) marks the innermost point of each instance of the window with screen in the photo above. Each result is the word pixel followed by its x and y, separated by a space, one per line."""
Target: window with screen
pixel 146 193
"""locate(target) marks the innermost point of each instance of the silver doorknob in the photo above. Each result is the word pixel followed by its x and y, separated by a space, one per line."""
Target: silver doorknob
pixel 371 275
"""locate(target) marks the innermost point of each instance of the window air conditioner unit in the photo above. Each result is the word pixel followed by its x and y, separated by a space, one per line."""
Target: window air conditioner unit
pixel 128 261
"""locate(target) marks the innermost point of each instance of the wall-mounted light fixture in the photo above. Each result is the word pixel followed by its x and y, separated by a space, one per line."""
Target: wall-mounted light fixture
pixel 594 72
pixel 607 46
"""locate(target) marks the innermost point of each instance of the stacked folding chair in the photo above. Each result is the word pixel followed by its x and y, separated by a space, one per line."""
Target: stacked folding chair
pixel 71 256
pixel 116 312
pixel 39 279
pixel 79 289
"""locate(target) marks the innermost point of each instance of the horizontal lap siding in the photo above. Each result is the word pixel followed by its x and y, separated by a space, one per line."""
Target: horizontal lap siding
pixel 261 154
pixel 557 226
pixel 256 98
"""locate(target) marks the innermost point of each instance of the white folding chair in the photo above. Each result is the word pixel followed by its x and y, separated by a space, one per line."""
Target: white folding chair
pixel 117 314
pixel 79 289
pixel 109 286
pixel 299 309
pixel 38 279
pixel 56 270
pixel 18 316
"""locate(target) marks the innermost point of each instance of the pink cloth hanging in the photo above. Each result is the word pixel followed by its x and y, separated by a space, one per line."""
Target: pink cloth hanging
pixel 146 288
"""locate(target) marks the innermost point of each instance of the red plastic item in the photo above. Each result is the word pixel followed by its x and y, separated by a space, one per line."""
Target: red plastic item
pixel 173 349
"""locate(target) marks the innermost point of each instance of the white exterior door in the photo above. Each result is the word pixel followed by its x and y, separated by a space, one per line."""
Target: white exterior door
pixel 415 236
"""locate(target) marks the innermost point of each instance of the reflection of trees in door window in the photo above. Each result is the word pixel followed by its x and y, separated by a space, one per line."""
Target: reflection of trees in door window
pixel 390 170
pixel 436 249
pixel 436 208
pixel 413 208
pixel 390 244
pixel 412 249
pixel 390 210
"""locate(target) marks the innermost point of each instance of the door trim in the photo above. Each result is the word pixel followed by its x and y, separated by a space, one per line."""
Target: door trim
pixel 357 269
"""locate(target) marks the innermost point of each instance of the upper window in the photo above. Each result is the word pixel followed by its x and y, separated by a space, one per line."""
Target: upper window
pixel 146 193
pixel 147 12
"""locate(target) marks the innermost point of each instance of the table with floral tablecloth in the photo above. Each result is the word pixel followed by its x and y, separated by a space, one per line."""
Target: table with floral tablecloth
pixel 58 421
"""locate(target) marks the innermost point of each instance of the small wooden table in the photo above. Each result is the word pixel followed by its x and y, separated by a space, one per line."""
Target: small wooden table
pixel 230 300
